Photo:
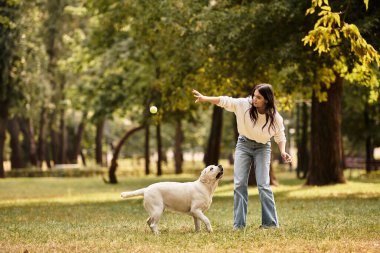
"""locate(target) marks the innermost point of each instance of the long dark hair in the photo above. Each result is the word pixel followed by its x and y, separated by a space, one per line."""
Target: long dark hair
pixel 270 107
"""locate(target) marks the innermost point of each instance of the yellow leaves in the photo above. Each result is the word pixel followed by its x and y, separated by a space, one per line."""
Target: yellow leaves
pixel 325 8
pixel 322 38
pixel 285 102
pixel 367 76
pixel 350 31
pixel 337 34
pixel 326 34
pixel 325 77
pixel 311 10
pixel 321 95
pixel 336 18
pixel 340 66
pixel 326 29
pixel 202 70
pixel 315 4
pixel 359 46
pixel 373 96
pixel 366 4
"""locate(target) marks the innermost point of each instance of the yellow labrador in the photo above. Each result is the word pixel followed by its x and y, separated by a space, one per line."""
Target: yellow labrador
pixel 193 198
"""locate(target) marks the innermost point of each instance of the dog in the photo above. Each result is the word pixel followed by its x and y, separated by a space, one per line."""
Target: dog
pixel 193 198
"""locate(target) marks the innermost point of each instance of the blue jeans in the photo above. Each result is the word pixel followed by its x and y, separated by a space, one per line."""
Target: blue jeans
pixel 248 151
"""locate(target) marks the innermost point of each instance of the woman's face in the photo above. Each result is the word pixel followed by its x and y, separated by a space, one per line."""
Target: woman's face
pixel 258 100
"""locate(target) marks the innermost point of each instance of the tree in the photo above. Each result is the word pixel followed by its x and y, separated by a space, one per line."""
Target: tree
pixel 213 147
pixel 361 121
pixel 347 55
pixel 302 139
pixel 178 150
pixel 113 167
pixel 158 55
pixel 10 89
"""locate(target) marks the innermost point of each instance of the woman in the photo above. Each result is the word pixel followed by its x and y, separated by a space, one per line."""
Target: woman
pixel 257 121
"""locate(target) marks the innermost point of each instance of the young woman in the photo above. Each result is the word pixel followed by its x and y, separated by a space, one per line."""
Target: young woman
pixel 257 122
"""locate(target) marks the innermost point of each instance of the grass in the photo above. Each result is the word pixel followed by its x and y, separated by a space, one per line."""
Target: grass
pixel 86 215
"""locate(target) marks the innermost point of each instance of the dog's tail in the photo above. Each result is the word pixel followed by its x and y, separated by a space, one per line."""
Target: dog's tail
pixel 139 192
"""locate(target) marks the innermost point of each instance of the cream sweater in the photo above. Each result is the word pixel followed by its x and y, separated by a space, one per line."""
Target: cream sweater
pixel 256 132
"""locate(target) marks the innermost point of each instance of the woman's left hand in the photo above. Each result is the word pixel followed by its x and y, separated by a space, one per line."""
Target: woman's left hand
pixel 286 157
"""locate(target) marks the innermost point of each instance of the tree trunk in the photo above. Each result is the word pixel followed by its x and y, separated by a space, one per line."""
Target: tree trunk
pixel 113 167
pixel 41 146
pixel 62 141
pixel 52 151
pixel 48 157
pixel 298 139
pixel 272 176
pixel 159 149
pixel 213 147
pixel 147 150
pixel 17 157
pixel 82 156
pixel 26 143
pixel 54 142
pixel 53 36
pixel 98 142
pixel 178 154
pixel 78 141
pixel 368 140
pixel 368 154
pixel 3 127
pixel 326 153
pixel 9 87
pixel 302 145
pixel 29 143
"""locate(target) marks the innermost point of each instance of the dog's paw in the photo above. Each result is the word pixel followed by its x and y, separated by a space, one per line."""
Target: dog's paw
pixel 122 194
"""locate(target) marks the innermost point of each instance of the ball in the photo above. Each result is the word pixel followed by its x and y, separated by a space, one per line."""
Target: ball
pixel 153 109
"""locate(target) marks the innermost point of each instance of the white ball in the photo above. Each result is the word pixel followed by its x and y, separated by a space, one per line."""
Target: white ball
pixel 153 109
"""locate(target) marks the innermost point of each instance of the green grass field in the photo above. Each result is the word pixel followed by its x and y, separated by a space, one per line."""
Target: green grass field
pixel 86 215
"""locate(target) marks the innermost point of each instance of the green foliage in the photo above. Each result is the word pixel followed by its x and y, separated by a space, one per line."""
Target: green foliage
pixel 116 57
pixel 329 36
pixel 10 90
pixel 355 105
pixel 32 67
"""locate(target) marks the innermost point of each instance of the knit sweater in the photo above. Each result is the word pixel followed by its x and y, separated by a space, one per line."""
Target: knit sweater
pixel 256 132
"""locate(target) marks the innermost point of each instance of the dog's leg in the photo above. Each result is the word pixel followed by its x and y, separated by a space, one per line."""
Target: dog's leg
pixel 149 221
pixel 155 207
pixel 155 211
pixel 197 223
pixel 199 214
pixel 152 222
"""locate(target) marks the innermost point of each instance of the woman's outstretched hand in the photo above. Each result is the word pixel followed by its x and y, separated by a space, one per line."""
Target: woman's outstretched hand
pixel 198 96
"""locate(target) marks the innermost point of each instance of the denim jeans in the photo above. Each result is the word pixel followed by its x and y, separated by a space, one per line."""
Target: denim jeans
pixel 248 151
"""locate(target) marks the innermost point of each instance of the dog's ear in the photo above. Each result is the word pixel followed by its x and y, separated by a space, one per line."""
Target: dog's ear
pixel 204 178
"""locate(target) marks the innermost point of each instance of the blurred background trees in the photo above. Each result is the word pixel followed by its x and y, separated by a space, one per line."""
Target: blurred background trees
pixel 77 76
